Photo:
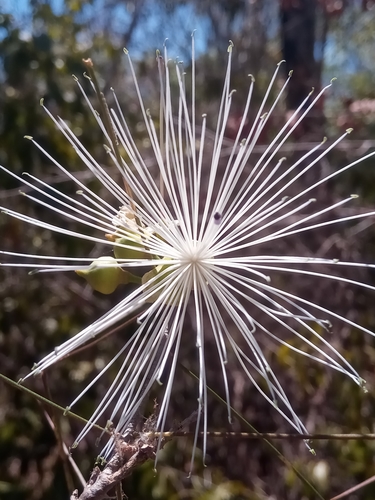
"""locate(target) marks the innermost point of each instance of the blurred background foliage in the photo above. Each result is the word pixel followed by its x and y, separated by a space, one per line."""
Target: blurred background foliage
pixel 42 44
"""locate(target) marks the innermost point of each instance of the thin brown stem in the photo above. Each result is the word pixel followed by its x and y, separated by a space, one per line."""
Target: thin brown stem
pixel 242 419
pixel 67 453
pixel 101 337
pixel 119 495
pixel 58 434
pixel 275 435
pixel 355 488
pixel 66 412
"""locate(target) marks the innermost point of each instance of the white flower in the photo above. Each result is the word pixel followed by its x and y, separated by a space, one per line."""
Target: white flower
pixel 201 229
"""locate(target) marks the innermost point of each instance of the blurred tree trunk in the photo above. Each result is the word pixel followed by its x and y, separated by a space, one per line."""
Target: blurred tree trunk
pixel 300 43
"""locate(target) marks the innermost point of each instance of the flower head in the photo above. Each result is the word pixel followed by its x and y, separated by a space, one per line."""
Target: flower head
pixel 195 239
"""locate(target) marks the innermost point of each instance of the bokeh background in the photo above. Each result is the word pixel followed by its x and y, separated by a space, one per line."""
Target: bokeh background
pixel 42 44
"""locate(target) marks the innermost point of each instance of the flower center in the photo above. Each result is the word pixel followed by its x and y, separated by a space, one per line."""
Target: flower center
pixel 195 254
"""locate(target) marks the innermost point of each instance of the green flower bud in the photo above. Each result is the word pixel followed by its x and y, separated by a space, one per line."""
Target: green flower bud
pixel 104 275
pixel 136 252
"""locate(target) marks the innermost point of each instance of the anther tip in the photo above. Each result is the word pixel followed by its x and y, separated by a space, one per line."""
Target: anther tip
pixel 88 62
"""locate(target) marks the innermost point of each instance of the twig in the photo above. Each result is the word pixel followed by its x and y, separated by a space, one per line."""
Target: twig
pixel 129 454
pixel 67 452
pixel 66 412
pixel 56 427
pixel 242 419
pixel 355 488
pixel 275 435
